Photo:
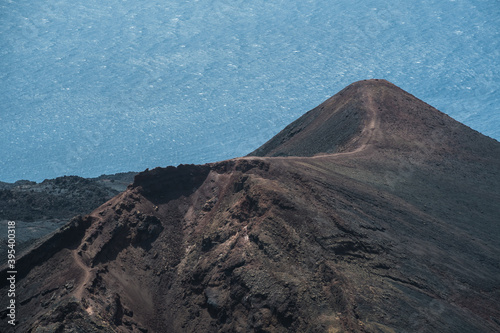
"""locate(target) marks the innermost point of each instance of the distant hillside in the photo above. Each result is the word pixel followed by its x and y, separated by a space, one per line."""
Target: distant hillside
pixel 40 209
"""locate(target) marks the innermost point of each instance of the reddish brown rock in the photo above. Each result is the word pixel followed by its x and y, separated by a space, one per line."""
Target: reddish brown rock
pixel 373 212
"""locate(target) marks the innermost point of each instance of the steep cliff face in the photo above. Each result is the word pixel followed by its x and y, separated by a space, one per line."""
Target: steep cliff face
pixel 389 223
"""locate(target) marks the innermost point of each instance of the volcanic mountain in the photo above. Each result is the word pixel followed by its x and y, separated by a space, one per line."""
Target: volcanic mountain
pixel 373 212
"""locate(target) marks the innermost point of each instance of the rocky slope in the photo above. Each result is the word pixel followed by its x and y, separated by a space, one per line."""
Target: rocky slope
pixel 61 197
pixel 41 208
pixel 372 213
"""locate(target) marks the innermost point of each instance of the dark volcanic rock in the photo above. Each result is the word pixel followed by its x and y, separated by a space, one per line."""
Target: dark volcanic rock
pixel 331 127
pixel 383 217
pixel 59 198
pixel 40 209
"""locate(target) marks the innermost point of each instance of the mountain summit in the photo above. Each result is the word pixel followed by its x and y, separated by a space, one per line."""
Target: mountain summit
pixel 370 114
pixel 373 212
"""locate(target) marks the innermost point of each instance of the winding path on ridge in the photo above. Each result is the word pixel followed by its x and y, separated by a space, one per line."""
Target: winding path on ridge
pixel 370 130
pixel 86 272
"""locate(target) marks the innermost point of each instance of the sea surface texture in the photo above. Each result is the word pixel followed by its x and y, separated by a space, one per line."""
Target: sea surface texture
pixel 90 87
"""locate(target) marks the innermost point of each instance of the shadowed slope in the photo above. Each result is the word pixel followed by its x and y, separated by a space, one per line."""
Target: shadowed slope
pixel 334 126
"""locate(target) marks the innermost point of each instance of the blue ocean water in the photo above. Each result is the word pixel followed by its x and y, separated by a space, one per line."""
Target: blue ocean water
pixel 90 87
